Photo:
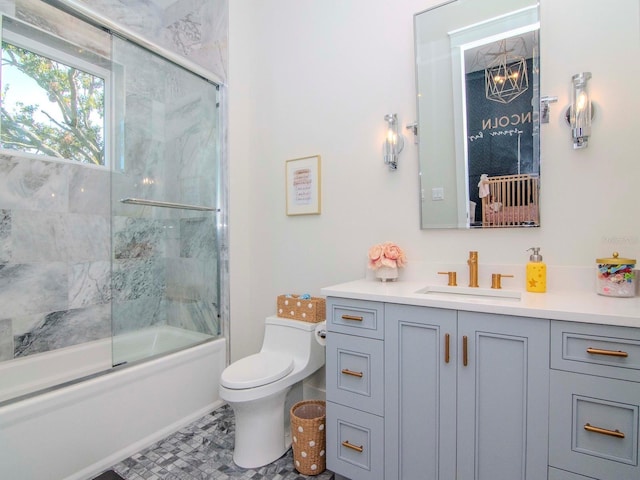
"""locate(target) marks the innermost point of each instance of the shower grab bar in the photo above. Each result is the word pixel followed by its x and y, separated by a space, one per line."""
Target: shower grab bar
pixel 156 203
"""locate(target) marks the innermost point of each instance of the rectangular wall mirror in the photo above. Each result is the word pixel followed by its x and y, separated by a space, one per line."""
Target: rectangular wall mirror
pixel 478 95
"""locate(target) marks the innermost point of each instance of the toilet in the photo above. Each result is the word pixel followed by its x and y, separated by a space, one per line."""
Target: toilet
pixel 261 388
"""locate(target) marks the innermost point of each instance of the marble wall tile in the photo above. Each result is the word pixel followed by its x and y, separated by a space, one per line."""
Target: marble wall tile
pixel 198 191
pixel 52 237
pixel 194 29
pixel 8 7
pixel 89 284
pixel 201 36
pixel 65 328
pixel 124 186
pixel 88 238
pixel 198 237
pixel 38 237
pixel 212 272
pixel 192 290
pixel 197 316
pixel 23 324
pixel 139 238
pixel 5 236
pixel 6 340
pixel 30 184
pixel 31 288
pixel 143 151
pixel 63 25
pixel 142 16
pixel 171 229
pixel 132 315
pixel 89 190
pixel 185 279
pixel 138 278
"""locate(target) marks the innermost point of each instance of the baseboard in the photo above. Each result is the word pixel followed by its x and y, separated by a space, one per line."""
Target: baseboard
pixel 312 392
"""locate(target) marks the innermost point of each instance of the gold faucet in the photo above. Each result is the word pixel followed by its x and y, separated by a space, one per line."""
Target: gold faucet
pixel 452 278
pixel 473 268
pixel 496 279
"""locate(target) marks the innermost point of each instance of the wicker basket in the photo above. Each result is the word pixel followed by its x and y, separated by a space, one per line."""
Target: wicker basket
pixel 312 310
pixel 308 436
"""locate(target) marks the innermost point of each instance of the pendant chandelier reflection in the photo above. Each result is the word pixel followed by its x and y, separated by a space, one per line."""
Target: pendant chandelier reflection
pixel 506 77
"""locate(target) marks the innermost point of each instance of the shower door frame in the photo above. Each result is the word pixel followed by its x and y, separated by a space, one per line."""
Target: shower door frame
pixel 80 11
pixel 221 202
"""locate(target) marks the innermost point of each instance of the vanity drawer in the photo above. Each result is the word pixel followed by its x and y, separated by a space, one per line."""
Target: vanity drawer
pixel 593 426
pixel 354 443
pixel 354 372
pixel 355 317
pixel 596 349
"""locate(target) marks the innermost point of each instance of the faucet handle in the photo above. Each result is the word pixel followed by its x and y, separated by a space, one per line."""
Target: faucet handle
pixel 495 279
pixel 452 278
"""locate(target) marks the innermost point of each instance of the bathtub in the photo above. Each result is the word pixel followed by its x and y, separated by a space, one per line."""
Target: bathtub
pixel 77 431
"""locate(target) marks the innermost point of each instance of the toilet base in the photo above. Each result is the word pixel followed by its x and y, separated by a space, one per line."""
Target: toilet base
pixel 262 428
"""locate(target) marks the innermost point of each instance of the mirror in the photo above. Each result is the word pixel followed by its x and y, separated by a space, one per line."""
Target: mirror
pixel 477 77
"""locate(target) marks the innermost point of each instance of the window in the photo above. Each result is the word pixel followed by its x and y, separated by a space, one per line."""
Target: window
pixel 54 97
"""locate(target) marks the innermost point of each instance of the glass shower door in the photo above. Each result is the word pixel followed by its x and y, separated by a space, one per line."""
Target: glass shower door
pixel 164 191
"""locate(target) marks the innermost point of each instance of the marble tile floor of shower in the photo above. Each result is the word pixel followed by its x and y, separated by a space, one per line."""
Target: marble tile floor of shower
pixel 203 450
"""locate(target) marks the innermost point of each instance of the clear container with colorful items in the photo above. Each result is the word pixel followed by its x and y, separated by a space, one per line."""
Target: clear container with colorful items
pixel 616 277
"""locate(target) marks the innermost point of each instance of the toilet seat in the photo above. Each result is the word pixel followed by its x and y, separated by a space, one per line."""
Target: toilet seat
pixel 255 370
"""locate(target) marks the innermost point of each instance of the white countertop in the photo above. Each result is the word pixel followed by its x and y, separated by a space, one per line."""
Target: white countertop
pixel 578 306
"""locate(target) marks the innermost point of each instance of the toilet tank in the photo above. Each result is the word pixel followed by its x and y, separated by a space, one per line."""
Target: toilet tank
pixel 293 336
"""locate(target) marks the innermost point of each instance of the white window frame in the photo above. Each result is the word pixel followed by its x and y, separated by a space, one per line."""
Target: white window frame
pixel 74 61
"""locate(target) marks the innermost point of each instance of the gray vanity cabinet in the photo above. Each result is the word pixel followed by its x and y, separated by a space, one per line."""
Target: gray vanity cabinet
pixel 466 395
pixel 594 402
pixel 355 388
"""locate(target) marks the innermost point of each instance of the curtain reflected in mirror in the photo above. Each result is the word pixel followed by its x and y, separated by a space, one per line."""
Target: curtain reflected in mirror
pixel 478 83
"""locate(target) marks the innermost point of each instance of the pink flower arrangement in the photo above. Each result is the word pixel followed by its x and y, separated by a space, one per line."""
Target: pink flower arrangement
pixel 386 254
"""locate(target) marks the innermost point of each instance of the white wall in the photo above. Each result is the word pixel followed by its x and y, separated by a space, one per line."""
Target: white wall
pixel 313 77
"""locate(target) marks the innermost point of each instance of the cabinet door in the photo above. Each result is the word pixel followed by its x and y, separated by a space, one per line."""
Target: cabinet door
pixel 503 392
pixel 419 393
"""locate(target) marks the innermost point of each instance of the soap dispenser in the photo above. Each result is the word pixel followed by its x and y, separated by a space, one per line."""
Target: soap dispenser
pixel 536 272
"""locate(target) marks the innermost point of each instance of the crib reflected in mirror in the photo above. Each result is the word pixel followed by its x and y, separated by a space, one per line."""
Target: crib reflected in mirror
pixel 508 201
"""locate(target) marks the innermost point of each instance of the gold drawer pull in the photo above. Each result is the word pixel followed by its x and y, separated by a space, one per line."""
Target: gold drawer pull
pixel 352 317
pixel 357 448
pixel 604 431
pixel 612 353
pixel 465 350
pixel 447 339
pixel 346 371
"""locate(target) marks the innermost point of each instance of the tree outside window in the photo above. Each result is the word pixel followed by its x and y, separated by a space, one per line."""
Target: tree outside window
pixel 51 108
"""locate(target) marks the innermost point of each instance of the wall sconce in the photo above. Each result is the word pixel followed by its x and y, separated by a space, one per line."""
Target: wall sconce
pixel 393 143
pixel 580 111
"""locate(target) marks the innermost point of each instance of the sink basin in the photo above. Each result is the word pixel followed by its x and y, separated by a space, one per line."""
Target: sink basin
pixel 472 292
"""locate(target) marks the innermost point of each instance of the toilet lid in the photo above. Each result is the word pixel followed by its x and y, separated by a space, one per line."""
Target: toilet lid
pixel 255 370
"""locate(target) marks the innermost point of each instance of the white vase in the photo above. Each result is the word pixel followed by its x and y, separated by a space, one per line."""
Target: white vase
pixel 387 274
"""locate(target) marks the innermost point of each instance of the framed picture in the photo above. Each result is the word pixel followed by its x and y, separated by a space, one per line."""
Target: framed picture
pixel 303 185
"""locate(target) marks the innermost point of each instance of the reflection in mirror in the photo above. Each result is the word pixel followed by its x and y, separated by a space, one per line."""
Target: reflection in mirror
pixel 478 102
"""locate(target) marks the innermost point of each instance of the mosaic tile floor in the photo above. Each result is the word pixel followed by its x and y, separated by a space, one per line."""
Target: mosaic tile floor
pixel 203 451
